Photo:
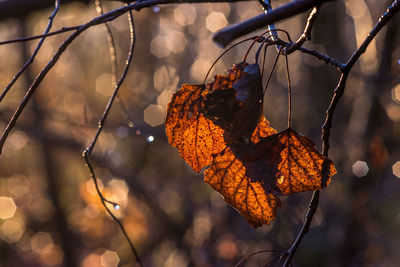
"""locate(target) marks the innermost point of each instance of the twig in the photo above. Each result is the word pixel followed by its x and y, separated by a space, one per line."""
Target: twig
pixel 35 52
pixel 86 153
pixel 339 90
pixel 273 251
pixel 227 35
pixel 324 58
pixel 95 21
pixel 30 38
pixel 307 30
pixel 266 4
pixel 113 57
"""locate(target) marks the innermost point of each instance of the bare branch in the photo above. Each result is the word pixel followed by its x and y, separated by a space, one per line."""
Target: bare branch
pixel 95 21
pixel 21 8
pixel 307 30
pixel 30 38
pixel 227 35
pixel 86 153
pixel 383 20
pixel 339 90
pixel 35 52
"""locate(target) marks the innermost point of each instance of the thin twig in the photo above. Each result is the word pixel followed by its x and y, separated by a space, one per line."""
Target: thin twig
pixel 30 38
pixel 289 90
pixel 267 6
pixel 339 90
pixel 95 21
pixel 113 57
pixel 226 35
pixel 273 251
pixel 307 30
pixel 86 153
pixel 35 52
pixel 324 58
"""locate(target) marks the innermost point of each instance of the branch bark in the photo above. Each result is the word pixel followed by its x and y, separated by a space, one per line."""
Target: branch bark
pixel 22 8
pixel 230 33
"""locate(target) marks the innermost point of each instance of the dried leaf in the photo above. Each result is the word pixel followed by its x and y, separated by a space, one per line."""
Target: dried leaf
pixel 234 101
pixel 227 175
pixel 251 175
pixel 196 137
pixel 287 163
pixel 220 125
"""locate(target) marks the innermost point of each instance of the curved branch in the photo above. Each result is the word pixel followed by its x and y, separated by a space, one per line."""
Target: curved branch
pixel 86 153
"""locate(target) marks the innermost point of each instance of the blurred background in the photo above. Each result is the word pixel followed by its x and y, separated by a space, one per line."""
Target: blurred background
pixel 50 214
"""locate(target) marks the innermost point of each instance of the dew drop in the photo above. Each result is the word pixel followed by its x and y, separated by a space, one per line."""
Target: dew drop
pixel 150 138
pixel 116 206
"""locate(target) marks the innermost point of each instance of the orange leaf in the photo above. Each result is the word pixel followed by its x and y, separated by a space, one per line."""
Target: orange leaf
pixel 249 176
pixel 227 175
pixel 220 125
pixel 234 101
pixel 196 137
pixel 288 163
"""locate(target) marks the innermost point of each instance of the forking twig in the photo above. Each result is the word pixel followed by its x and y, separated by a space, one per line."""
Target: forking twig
pixel 61 49
pixel 225 36
pixel 113 58
pixel 86 153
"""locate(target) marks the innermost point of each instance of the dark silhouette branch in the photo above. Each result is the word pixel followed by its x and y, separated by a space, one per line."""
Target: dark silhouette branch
pixel 225 36
pixel 95 21
pixel 272 251
pixel 339 90
pixel 30 38
pixel 306 35
pixel 113 57
pixel 35 52
pixel 21 8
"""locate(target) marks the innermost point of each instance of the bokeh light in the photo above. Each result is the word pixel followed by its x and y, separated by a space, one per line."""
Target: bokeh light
pixel 396 94
pixel 185 14
pixel 360 168
pixel 216 21
pixel 42 243
pixel 12 230
pixel 109 259
pixel 161 46
pixel 7 207
pixel 154 115
pixel 396 169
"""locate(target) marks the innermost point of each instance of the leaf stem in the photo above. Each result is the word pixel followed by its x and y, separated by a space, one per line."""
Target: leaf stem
pixel 289 90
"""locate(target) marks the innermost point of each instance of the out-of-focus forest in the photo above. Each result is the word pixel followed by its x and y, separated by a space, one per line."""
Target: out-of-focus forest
pixel 50 213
